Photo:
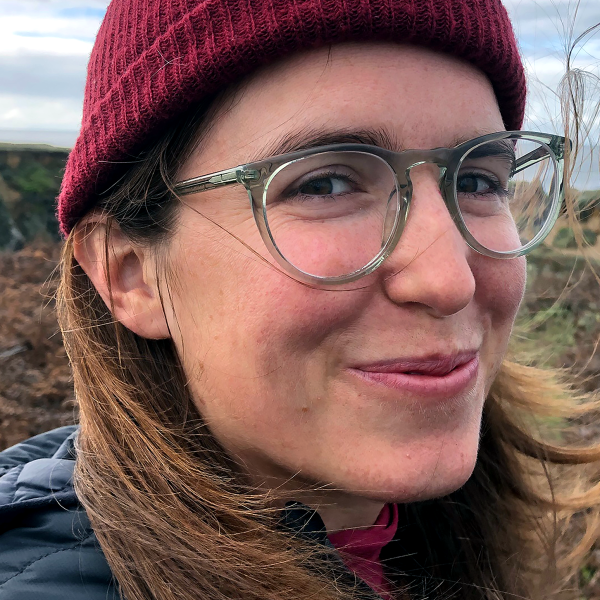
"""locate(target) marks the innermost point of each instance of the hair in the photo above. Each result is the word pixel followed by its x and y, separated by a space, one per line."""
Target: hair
pixel 176 519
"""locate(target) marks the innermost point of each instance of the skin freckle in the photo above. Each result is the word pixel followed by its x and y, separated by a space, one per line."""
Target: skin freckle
pixel 294 349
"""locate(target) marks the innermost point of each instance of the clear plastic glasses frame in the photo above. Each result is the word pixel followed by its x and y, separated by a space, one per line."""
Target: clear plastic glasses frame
pixel 257 176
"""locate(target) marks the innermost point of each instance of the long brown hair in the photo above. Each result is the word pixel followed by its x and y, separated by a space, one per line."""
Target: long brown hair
pixel 176 518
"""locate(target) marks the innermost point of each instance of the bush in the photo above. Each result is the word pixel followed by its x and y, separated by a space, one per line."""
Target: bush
pixel 5 226
pixel 34 177
pixel 565 238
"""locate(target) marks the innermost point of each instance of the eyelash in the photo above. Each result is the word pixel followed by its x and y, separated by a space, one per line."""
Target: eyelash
pixel 295 191
pixel 495 186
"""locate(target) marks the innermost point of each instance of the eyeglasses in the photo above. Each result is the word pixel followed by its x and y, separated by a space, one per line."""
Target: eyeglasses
pixel 332 214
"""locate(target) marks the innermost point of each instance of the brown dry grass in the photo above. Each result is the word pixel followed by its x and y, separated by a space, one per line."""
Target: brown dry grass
pixel 36 393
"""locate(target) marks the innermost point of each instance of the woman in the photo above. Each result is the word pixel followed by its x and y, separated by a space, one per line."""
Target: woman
pixel 291 385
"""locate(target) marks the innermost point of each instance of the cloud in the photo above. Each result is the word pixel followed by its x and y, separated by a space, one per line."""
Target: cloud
pixel 43 75
pixel 44 50
pixel 545 31
pixel 37 34
pixel 44 112
pixel 92 9
pixel 552 17
pixel 12 115
pixel 86 12
pixel 45 45
pixel 43 33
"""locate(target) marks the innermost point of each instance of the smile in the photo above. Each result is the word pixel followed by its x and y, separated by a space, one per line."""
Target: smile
pixel 439 376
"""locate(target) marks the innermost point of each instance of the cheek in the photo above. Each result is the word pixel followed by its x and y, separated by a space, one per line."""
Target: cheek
pixel 499 292
pixel 239 317
pixel 500 285
pixel 258 347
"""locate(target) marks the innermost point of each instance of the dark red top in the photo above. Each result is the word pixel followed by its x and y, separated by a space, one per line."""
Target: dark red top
pixel 360 548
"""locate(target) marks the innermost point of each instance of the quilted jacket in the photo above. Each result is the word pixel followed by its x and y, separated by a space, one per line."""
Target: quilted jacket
pixel 48 550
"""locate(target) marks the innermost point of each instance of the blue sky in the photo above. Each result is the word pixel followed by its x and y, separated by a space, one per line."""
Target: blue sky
pixel 45 45
pixel 44 49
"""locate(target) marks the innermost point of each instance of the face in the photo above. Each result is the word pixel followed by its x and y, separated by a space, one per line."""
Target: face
pixel 377 391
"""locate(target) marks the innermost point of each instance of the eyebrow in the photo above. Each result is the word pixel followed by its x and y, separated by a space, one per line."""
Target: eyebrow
pixel 312 138
pixel 502 149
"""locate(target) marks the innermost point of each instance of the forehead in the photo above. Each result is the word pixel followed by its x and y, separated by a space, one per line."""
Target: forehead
pixel 419 98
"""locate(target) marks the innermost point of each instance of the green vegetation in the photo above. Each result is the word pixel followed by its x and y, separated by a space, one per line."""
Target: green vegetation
pixel 47 148
pixel 588 204
pixel 6 234
pixel 34 213
pixel 559 322
pixel 29 183
pixel 565 238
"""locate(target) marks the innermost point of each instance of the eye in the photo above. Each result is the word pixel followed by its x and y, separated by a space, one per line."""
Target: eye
pixel 326 185
pixel 478 183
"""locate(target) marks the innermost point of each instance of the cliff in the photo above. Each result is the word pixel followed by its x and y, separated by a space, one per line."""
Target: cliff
pixel 30 178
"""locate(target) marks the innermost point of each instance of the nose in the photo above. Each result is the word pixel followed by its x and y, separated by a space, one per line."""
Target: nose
pixel 431 264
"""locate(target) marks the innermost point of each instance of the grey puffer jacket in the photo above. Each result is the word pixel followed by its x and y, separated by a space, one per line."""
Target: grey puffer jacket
pixel 48 550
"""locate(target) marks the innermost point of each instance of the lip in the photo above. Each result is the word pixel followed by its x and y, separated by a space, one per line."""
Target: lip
pixel 436 377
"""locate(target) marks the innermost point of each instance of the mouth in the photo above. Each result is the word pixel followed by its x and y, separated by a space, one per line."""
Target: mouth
pixel 436 376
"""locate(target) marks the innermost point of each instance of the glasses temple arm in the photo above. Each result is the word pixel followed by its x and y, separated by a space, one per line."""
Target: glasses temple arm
pixel 210 182
pixel 557 146
pixel 530 159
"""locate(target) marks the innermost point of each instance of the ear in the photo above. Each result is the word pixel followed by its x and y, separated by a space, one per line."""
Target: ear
pixel 123 274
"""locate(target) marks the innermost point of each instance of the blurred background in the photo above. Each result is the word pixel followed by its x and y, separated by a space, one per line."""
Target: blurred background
pixel 44 49
pixel 45 44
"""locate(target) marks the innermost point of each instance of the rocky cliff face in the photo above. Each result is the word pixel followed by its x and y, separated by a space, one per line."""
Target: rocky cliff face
pixel 30 178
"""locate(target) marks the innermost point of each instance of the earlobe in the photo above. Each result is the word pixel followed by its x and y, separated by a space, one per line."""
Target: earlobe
pixel 122 275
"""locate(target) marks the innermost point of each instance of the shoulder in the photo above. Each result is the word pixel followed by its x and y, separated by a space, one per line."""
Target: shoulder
pixel 47 546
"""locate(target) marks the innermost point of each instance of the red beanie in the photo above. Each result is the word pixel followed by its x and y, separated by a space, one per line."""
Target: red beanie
pixel 153 59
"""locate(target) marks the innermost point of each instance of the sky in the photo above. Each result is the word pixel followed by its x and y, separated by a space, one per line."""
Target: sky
pixel 45 46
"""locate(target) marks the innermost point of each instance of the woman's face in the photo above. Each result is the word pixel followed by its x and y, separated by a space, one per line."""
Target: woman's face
pixel 349 388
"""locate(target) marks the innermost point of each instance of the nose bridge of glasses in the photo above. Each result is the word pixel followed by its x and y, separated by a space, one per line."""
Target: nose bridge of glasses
pixel 408 178
pixel 433 158
pixel 441 167
pixel 404 162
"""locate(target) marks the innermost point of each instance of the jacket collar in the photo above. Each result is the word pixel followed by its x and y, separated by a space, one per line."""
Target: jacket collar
pixel 305 522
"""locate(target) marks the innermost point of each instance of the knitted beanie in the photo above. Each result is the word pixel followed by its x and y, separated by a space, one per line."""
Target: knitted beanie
pixel 153 59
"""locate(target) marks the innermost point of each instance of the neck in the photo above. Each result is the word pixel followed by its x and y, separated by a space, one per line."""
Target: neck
pixel 337 508
pixel 351 514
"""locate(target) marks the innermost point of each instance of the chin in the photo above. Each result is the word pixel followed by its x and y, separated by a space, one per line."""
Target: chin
pixel 447 477
pixel 426 488
pixel 444 485
pixel 417 474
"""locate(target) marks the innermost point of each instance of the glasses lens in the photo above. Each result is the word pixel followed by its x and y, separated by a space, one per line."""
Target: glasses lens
pixel 332 213
pixel 507 192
